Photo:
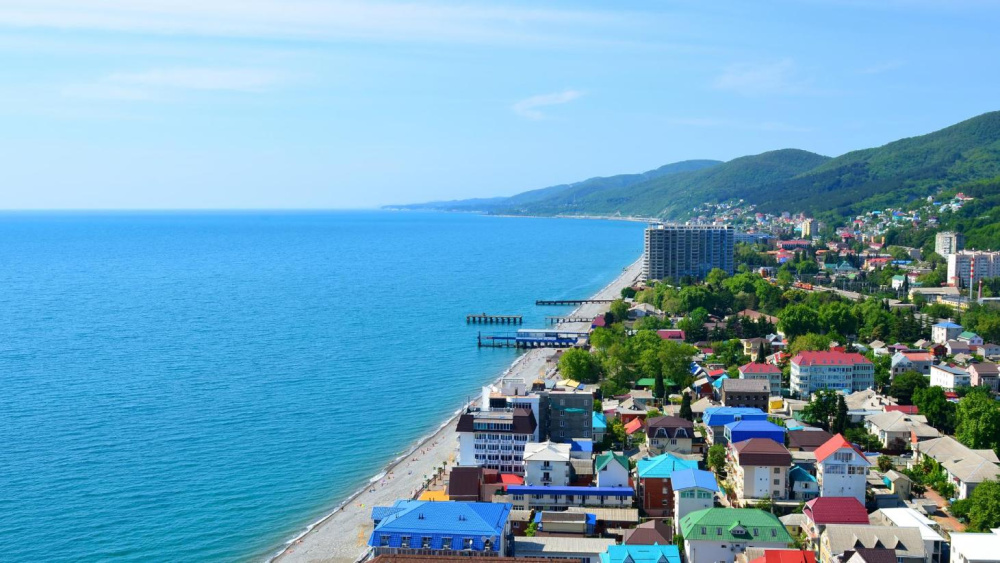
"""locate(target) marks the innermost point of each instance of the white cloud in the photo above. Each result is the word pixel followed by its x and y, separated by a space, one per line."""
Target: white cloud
pixel 757 79
pixel 315 19
pixel 531 107
pixel 160 84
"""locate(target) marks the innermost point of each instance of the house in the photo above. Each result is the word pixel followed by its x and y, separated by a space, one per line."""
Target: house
pixel 716 535
pixel 747 393
pixel 671 334
pixel 988 350
pixel 600 425
pixel 563 523
pixel 934 542
pixel 840 371
pixel 441 528
pixel 898 484
pixel 650 532
pixel 694 490
pixel 768 372
pixel 823 511
pixel 716 419
pixel 895 429
pixel 945 331
pixel 466 484
pixel 609 518
pixel 758 469
pixel 654 474
pixel 949 377
pixel 640 310
pixel 839 539
pixel 807 440
pixel 747 429
pixel 920 362
pixel 669 434
pixel 546 463
pixel 584 550
pixel 970 338
pixel 793 522
pixel 754 347
pixel 841 469
pixel 966 467
pixel 898 282
pixel 536 497
pixel 612 470
pixel 975 548
pixel 956 347
pixel 985 374
pixel 778 555
pixel 802 484
pixel 495 439
pixel 641 554
pixel 870 555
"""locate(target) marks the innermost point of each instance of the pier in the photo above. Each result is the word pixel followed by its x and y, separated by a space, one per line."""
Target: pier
pixel 532 338
pixel 542 302
pixel 494 319
pixel 557 320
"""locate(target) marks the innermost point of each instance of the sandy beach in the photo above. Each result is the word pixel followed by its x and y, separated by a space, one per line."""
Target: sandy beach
pixel 341 537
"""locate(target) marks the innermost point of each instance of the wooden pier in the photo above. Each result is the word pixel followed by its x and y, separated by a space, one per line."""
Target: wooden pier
pixel 557 320
pixel 494 319
pixel 531 338
pixel 542 302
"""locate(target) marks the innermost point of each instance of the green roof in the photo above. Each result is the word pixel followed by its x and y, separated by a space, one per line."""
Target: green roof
pixel 734 524
pixel 898 278
pixel 967 334
pixel 645 382
pixel 604 459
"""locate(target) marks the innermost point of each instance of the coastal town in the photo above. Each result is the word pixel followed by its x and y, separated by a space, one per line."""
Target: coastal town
pixel 755 389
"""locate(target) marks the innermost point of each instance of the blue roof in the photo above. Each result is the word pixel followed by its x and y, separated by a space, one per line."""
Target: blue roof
pixel 948 324
pixel 459 520
pixel 797 473
pixel 598 422
pixel 693 479
pixel 641 554
pixel 663 466
pixel 591 491
pixel 719 416
pixel 718 382
pixel 753 426
pixel 581 445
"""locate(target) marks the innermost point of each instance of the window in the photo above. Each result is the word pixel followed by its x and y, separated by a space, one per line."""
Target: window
pixel 845 457
pixel 383 540
pixel 777 470
pixel 425 542
pixel 467 543
pixel 487 545
pixel 703 530
pixel 718 531
pixel 777 481
pixel 404 541
pixel 446 542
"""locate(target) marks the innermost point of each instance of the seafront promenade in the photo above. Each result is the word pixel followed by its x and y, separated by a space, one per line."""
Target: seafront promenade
pixel 342 536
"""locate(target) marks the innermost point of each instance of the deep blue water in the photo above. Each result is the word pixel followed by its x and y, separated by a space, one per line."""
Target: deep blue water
pixel 201 386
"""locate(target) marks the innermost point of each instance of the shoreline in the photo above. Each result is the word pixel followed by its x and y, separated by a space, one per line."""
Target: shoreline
pixel 317 542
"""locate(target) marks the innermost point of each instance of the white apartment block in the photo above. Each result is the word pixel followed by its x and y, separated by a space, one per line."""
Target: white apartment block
pixel 840 371
pixel 967 267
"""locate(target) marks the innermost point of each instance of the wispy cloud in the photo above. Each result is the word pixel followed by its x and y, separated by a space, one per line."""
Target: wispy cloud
pixel 389 20
pixel 882 67
pixel 160 84
pixel 719 122
pixel 761 79
pixel 531 107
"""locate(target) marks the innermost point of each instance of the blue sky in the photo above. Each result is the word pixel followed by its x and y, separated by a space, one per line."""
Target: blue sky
pixel 325 104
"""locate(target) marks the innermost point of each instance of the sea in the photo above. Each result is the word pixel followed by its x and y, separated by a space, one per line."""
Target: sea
pixel 200 386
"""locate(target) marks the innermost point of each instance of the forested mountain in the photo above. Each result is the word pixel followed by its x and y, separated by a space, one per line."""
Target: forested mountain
pixel 782 180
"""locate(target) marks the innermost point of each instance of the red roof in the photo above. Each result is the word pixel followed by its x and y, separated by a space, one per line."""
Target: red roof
pixel 670 333
pixel 786 556
pixel 833 444
pixel 813 358
pixel 836 510
pixel 634 426
pixel 599 321
pixel 753 367
pixel 511 479
pixel 918 356
pixel 716 372
pixel 905 409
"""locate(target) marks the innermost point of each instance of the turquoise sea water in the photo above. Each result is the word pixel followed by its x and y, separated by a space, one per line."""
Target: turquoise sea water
pixel 201 386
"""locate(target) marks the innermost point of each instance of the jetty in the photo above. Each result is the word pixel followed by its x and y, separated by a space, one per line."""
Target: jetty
pixel 532 338
pixel 542 302
pixel 494 319
pixel 557 320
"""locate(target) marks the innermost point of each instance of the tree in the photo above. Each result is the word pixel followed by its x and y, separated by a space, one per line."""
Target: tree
pixel 580 365
pixel 884 463
pixel 809 341
pixel 797 320
pixel 822 409
pixel 658 388
pixel 686 413
pixel 619 311
pixel 935 406
pixel 531 530
pixel 628 293
pixel 978 420
pixel 598 405
pixel 717 458
pixel 984 507
pixel 838 317
pixel 839 425
pixel 904 385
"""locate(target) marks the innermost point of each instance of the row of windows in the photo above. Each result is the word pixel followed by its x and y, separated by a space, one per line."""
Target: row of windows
pixel 492 426
pixel 696 494
pixel 425 542
pixel 755 531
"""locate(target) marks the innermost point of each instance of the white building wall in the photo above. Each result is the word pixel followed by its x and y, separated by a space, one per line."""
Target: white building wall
pixel 613 475
pixel 557 471
pixel 685 506
pixel 703 551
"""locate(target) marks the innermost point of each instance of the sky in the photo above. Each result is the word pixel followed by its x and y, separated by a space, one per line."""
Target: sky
pixel 320 104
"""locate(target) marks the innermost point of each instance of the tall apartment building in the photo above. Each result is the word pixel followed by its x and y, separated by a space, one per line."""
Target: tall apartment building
pixel 840 371
pixel 808 226
pixel 948 242
pixel 495 439
pixel 561 414
pixel 675 251
pixel 967 267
